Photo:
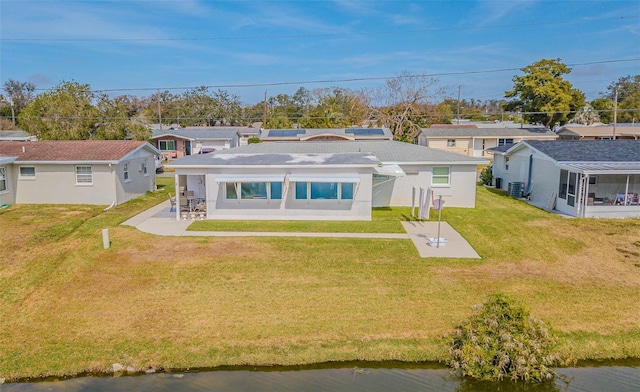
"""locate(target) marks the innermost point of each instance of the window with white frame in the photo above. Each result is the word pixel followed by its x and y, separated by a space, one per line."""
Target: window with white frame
pixel 440 176
pixel 126 172
pixel 324 190
pixel 27 171
pixel 506 163
pixel 3 179
pixel 451 142
pixel 253 190
pixel 84 175
pixel 502 142
pixel 167 145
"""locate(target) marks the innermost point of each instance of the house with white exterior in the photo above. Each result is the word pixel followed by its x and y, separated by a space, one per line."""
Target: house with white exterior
pixel 176 142
pixel 336 180
pixel 325 134
pixel 582 178
pixel 472 140
pixel 102 172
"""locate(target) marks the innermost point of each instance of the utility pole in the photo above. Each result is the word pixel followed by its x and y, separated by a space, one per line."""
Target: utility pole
pixel 458 115
pixel 159 112
pixel 264 113
pixel 615 113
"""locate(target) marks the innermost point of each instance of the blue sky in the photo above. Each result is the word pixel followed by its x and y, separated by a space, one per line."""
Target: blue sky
pixel 243 46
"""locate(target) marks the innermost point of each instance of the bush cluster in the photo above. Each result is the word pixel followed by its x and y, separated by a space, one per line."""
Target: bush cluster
pixel 503 341
pixel 486 175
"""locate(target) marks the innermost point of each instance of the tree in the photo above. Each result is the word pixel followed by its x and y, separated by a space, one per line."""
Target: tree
pixel 162 107
pixel 604 107
pixel 335 108
pixel 19 95
pixel 401 103
pixel 282 112
pixel 116 123
pixel 63 113
pixel 628 96
pixel 586 116
pixel 543 95
pixel 228 108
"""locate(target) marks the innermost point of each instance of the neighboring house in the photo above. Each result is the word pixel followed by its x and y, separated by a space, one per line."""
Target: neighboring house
pixel 178 142
pixel 339 180
pixel 473 141
pixel 599 132
pixel 101 172
pixel 325 134
pixel 245 133
pixel 590 178
pixel 16 136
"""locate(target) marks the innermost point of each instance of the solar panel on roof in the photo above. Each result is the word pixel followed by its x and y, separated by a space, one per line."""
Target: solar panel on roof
pixel 286 132
pixel 365 131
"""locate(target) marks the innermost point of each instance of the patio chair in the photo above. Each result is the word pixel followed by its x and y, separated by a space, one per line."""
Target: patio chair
pixel 172 199
pixel 184 204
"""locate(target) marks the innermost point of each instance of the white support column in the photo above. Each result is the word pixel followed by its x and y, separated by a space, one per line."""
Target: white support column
pixel 177 190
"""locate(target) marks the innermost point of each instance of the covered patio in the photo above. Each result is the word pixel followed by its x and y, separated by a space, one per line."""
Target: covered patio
pixel 604 190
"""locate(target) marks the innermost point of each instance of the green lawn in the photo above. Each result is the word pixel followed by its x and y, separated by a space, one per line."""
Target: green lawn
pixel 383 220
pixel 68 306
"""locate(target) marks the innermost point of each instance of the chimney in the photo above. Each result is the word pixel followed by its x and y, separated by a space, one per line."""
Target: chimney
pixel 23 149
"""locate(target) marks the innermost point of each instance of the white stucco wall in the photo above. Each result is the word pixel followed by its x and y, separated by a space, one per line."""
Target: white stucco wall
pixel 139 183
pixel 288 208
pixel 517 171
pixel 56 184
pixel 8 196
pixel 461 192
pixel 545 180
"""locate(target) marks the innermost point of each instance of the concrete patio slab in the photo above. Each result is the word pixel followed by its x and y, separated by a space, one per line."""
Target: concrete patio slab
pixel 159 220
pixel 456 246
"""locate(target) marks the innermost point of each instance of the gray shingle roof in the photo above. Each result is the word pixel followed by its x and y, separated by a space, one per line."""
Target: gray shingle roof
pixel 385 151
pixel 487 132
pixel 589 150
pixel 500 149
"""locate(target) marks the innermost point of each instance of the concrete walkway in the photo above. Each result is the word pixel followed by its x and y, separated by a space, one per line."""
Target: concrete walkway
pixel 159 220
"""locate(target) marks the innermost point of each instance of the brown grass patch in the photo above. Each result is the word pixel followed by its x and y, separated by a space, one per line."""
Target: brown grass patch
pixel 68 305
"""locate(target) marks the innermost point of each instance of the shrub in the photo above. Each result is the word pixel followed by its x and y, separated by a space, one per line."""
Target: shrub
pixel 254 140
pixel 502 340
pixel 486 175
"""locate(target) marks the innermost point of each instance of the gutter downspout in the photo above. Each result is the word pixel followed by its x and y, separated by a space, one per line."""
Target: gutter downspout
pixel 530 170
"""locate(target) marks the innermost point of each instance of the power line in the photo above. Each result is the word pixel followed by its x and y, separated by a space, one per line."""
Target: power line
pixel 295 118
pixel 348 80
pixel 327 35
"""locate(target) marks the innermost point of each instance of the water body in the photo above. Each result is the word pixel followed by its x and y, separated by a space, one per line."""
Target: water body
pixel 619 376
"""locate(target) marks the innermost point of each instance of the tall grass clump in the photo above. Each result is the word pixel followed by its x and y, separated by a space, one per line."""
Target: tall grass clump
pixel 501 340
